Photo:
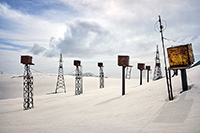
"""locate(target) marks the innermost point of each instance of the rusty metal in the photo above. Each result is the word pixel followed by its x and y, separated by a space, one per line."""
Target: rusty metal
pixel 148 68
pixel 180 56
pixel 26 59
pixel 123 60
pixel 77 63
pixel 141 66
pixel 100 64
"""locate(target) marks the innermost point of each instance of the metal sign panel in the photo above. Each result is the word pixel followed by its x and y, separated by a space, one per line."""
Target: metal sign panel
pixel 180 56
pixel 100 64
pixel 26 59
pixel 123 60
pixel 141 66
pixel 148 68
pixel 77 63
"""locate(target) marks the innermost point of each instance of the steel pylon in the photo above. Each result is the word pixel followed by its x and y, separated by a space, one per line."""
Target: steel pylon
pixel 157 71
pixel 101 77
pixel 60 80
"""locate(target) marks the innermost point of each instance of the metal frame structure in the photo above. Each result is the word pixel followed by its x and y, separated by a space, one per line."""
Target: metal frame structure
pixel 101 75
pixel 128 72
pixel 78 78
pixel 60 80
pixel 27 82
pixel 28 88
pixel 157 71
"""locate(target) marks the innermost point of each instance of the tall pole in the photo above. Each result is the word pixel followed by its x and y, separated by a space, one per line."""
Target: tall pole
pixel 166 72
pixel 123 80
pixel 140 77
pixel 147 75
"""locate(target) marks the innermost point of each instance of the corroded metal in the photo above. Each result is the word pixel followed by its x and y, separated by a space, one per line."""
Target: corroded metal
pixel 180 56
pixel 123 60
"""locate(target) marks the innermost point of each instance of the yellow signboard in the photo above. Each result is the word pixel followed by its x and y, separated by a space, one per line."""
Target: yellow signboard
pixel 180 56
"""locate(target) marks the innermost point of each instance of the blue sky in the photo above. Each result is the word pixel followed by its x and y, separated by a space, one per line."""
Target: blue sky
pixel 92 31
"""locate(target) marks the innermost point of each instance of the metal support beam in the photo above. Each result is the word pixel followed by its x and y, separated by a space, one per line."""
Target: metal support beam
pixel 123 80
pixel 184 79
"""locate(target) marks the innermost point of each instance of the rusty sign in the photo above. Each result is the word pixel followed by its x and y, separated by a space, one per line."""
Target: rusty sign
pixel 100 64
pixel 148 68
pixel 123 60
pixel 180 56
pixel 26 59
pixel 77 63
pixel 141 66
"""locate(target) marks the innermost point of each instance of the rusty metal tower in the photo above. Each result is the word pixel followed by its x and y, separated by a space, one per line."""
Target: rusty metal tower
pixel 101 75
pixel 27 83
pixel 60 80
pixel 78 78
pixel 157 71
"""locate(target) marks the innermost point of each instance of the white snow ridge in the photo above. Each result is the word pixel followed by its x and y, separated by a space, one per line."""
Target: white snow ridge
pixel 144 109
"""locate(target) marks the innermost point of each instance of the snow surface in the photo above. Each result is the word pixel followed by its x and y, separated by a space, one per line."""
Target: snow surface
pixel 144 109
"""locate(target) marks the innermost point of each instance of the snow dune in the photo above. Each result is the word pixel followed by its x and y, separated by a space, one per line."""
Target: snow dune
pixel 144 109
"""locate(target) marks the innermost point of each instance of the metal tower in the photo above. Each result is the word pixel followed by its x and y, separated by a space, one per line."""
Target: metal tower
pixel 101 75
pixel 60 80
pixel 27 83
pixel 157 71
pixel 78 78
pixel 128 72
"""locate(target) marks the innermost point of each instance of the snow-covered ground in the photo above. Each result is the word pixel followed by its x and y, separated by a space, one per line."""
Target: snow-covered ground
pixel 144 109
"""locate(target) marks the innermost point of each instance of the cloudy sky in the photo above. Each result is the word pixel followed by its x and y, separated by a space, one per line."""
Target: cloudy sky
pixel 92 31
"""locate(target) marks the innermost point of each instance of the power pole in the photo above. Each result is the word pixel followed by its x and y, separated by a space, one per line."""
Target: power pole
pixel 157 71
pixel 168 78
pixel 60 80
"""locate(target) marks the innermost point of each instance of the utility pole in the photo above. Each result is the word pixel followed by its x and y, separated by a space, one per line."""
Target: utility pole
pixel 60 80
pixel 168 79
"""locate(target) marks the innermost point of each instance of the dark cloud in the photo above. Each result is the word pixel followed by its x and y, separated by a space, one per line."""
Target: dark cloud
pixel 81 39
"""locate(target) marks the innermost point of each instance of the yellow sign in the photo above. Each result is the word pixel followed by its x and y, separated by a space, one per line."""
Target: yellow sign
pixel 180 56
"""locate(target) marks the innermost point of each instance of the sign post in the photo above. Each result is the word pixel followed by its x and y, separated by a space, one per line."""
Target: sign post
pixel 181 57
pixel 141 68
pixel 124 62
